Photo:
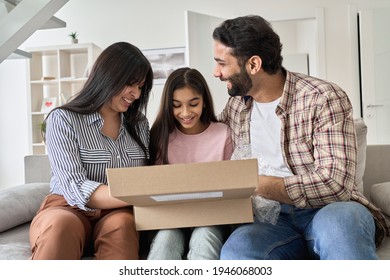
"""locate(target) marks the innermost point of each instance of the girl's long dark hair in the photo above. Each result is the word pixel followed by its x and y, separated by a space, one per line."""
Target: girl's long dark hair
pixel 165 122
pixel 119 65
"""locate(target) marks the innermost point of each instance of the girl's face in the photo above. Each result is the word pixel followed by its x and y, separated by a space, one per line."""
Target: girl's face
pixel 187 109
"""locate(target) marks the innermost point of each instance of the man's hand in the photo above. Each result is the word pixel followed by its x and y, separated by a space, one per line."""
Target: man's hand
pixel 272 188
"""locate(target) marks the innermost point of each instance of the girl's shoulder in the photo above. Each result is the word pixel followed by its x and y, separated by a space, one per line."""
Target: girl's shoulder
pixel 219 126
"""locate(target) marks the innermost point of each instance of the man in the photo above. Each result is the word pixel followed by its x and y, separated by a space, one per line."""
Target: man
pixel 302 128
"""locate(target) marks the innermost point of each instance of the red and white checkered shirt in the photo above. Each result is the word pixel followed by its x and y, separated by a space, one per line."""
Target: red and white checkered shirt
pixel 318 143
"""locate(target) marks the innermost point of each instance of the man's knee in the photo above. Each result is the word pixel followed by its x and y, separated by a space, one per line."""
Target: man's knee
pixel 346 215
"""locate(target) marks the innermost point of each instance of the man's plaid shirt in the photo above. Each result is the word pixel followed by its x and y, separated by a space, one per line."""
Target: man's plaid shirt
pixel 318 143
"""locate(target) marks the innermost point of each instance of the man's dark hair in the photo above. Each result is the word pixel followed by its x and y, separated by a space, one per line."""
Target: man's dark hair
pixel 251 35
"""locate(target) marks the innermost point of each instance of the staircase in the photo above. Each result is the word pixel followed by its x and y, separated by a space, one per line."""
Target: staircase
pixel 19 19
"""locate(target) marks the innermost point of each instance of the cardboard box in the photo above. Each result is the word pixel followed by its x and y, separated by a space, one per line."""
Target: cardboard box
pixel 187 195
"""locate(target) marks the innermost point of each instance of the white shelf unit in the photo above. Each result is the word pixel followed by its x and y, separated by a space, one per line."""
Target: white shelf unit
pixel 55 73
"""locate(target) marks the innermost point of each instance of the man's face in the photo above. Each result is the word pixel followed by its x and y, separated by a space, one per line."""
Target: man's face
pixel 240 82
pixel 227 69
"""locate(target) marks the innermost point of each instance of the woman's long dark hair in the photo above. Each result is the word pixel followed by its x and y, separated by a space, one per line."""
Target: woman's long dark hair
pixel 119 65
pixel 165 122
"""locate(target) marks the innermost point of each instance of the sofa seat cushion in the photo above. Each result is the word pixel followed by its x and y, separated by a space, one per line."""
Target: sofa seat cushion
pixel 19 204
pixel 15 244
pixel 383 251
pixel 380 196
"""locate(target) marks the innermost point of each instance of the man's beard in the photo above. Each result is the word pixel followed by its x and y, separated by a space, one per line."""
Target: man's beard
pixel 241 83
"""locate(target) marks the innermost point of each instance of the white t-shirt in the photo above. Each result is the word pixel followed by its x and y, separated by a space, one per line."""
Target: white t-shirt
pixel 265 139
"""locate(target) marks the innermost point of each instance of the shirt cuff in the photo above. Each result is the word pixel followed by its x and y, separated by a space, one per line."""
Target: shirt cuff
pixel 292 184
pixel 86 190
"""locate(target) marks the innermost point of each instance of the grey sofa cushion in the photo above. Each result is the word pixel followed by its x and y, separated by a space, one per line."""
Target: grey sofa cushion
pixel 380 196
pixel 19 204
pixel 15 243
pixel 361 138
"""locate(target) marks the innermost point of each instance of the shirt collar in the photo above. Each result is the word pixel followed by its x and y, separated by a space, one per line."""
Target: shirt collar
pixel 288 91
pixel 287 95
pixel 96 117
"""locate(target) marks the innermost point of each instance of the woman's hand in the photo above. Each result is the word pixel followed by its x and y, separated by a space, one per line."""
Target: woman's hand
pixel 101 199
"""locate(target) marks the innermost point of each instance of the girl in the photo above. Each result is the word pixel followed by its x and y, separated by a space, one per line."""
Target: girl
pixel 185 131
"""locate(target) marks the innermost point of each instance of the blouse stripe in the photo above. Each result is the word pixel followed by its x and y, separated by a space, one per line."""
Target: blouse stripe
pixel 80 153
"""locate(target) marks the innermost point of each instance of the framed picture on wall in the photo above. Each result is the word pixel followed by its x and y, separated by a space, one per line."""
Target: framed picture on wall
pixel 165 61
pixel 48 104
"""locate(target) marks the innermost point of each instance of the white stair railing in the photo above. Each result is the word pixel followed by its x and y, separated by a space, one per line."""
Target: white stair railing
pixel 19 19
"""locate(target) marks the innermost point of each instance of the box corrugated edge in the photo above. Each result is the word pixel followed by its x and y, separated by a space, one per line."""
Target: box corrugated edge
pixel 204 213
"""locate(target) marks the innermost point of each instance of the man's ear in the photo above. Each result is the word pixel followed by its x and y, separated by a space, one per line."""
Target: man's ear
pixel 254 64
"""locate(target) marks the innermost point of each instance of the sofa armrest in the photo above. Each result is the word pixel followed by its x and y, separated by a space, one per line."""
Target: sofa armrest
pixel 19 204
pixel 377 162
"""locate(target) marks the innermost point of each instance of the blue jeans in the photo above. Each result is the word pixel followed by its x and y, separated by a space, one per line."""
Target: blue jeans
pixel 204 244
pixel 340 230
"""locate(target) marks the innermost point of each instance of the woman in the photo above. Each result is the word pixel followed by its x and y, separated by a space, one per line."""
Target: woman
pixel 102 127
pixel 185 131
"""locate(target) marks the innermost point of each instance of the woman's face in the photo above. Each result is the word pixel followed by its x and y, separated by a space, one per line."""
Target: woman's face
pixel 187 109
pixel 121 102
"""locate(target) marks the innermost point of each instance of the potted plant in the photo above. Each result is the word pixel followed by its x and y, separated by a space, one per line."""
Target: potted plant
pixel 42 129
pixel 73 36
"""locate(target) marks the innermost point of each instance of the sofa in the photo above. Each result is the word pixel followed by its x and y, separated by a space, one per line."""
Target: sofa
pixel 18 204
